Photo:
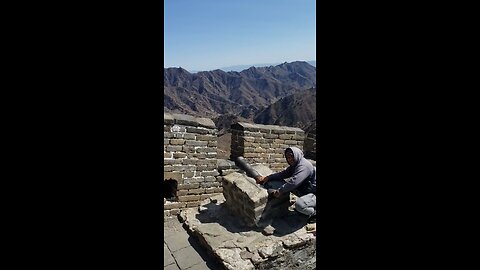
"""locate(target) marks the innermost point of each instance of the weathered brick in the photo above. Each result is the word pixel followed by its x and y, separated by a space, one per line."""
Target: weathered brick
pixel 197 178
pixel 173 205
pixel 189 174
pixel 211 155
pixel 210 184
pixel 188 136
pixel 167 135
pixel 196 143
pixel 205 196
pixel 210 178
pixel 197 130
pixel 249 139
pixel 174 148
pixel 196 191
pixel 172 175
pixel 285 136
pixel 250 155
pixel 210 190
pixel 167 161
pixel 197 155
pixel 259 140
pixel 277 131
pixel 188 186
pixel 190 161
pixel 271 136
pixel 206 138
pixel 209 173
pixel 212 144
pixel 177 141
pixel 179 155
pixel 206 149
pixel 193 204
pixel 183 168
pixel 254 134
pixel 182 192
pixel 189 198
pixel 259 150
pixel 167 168
pixel 260 160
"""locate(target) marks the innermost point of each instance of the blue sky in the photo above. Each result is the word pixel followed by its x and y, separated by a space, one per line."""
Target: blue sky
pixel 210 34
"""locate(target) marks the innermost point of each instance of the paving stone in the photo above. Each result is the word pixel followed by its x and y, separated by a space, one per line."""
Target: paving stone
pixel 239 247
pixel 171 267
pixel 200 266
pixel 177 240
pixel 167 256
pixel 187 257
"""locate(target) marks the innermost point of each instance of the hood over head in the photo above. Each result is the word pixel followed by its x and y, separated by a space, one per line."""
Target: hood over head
pixel 297 153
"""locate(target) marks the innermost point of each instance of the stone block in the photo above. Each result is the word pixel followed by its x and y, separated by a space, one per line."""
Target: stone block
pixel 172 175
pixel 177 141
pixel 189 198
pixel 251 201
pixel 188 186
pixel 179 155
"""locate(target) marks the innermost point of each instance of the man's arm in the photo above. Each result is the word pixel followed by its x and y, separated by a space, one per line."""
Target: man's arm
pixel 301 174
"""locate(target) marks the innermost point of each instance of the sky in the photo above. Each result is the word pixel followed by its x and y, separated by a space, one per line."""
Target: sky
pixel 201 35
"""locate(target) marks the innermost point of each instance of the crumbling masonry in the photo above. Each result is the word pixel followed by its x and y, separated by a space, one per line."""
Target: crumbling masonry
pixel 190 156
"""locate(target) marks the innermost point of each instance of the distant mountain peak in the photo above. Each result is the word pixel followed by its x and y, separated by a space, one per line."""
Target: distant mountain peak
pixel 245 93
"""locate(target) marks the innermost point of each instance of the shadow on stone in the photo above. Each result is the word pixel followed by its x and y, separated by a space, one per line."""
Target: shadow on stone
pixel 210 259
pixel 219 213
pixel 287 223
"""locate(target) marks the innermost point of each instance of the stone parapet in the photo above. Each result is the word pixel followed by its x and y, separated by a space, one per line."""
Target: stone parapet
pixel 190 158
pixel 264 144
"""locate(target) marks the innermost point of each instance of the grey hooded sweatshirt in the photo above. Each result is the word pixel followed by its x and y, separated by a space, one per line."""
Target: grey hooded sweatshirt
pixel 300 176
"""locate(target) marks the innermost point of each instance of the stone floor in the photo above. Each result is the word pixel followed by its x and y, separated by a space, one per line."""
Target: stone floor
pixel 181 251
pixel 288 243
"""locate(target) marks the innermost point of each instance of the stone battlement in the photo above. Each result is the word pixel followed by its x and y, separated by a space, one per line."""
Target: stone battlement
pixel 190 155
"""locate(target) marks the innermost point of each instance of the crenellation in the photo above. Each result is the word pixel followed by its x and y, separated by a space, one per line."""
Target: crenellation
pixel 190 158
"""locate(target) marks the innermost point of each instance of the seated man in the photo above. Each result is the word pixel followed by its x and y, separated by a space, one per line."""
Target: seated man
pixel 299 178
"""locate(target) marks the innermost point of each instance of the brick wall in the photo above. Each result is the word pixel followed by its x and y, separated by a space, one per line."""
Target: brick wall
pixel 190 158
pixel 264 144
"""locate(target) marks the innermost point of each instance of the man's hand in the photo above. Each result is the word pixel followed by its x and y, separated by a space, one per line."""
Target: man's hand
pixel 261 179
pixel 276 193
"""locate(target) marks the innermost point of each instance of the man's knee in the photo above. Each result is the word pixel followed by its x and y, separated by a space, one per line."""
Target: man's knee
pixel 300 205
pixel 305 205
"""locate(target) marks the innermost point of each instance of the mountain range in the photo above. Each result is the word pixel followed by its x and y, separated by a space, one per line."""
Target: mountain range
pixel 282 95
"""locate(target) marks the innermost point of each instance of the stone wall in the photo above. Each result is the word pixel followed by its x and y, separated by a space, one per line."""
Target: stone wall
pixel 264 144
pixel 190 158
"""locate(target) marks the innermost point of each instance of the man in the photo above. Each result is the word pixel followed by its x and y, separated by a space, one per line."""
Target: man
pixel 299 178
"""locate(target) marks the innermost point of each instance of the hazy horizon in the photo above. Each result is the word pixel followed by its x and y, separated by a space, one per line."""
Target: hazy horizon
pixel 214 34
